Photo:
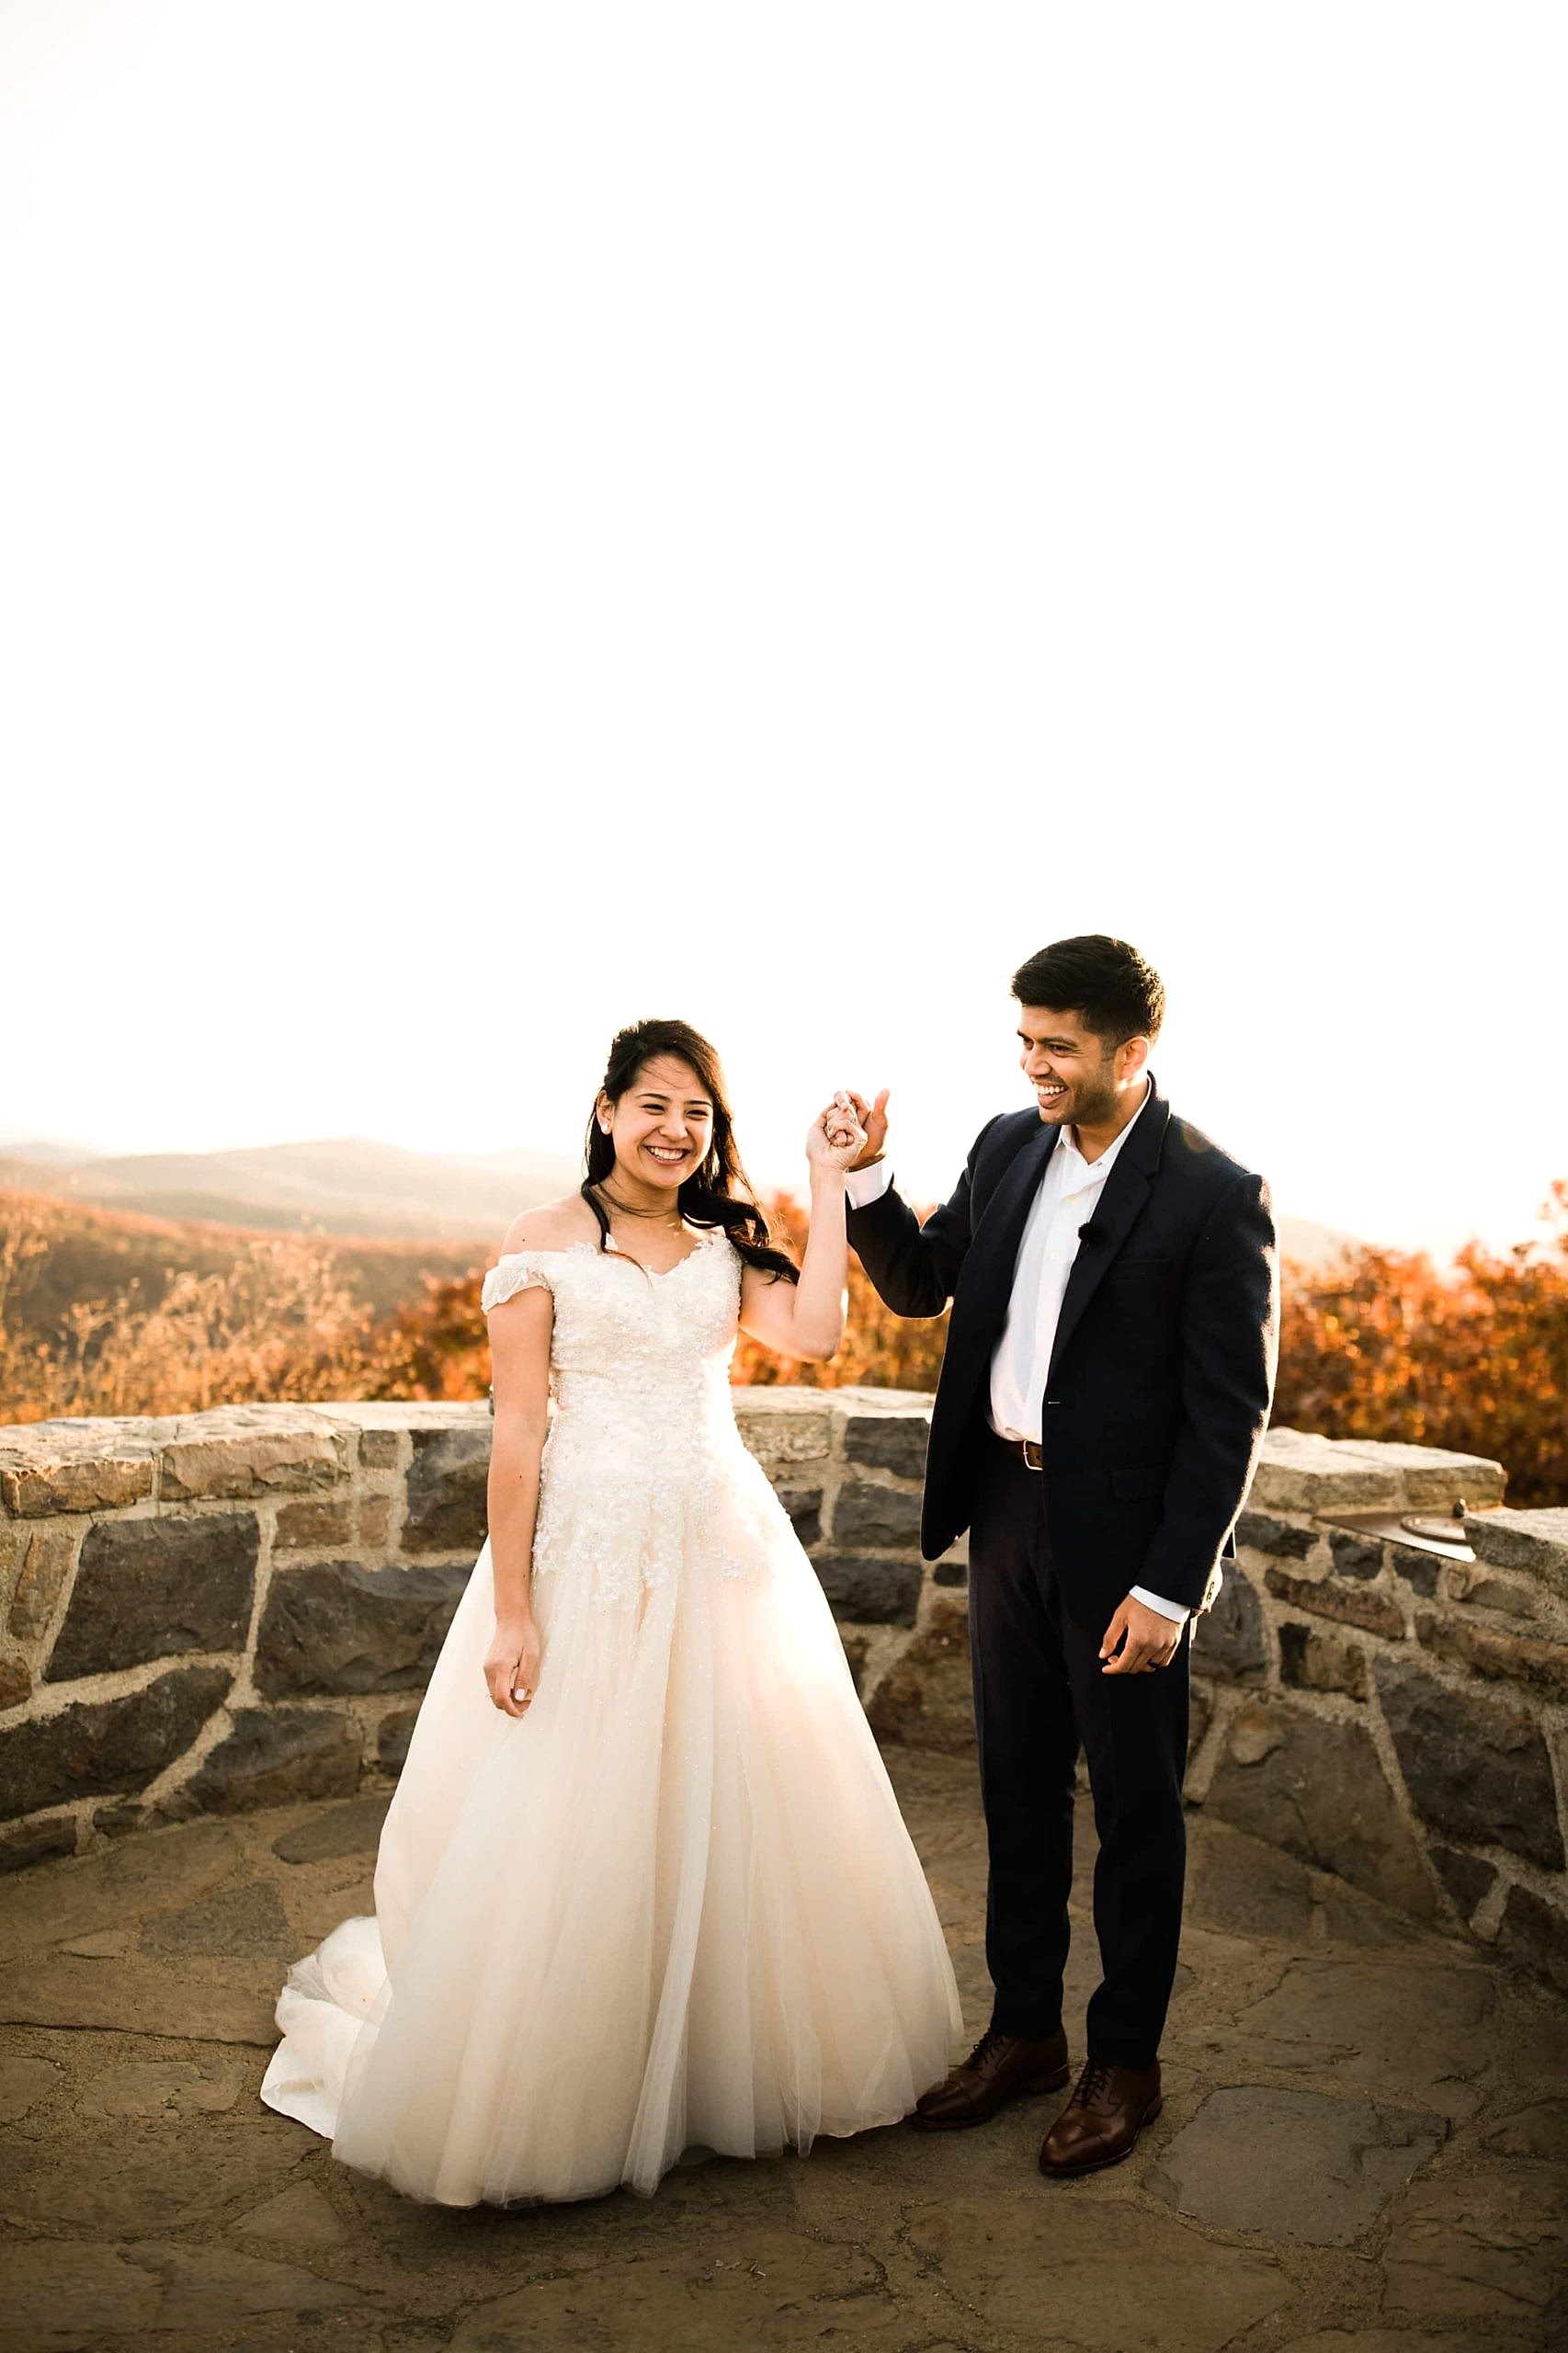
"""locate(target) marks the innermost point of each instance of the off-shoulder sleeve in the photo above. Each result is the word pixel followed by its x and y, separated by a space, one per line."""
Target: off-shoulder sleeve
pixel 517 1270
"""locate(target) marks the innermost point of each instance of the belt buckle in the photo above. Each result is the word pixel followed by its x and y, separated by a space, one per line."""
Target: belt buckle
pixel 1032 1458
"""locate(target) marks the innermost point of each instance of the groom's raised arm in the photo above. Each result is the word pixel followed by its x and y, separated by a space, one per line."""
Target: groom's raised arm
pixel 913 1267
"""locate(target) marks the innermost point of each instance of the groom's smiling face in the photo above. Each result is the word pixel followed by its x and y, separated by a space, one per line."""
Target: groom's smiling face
pixel 1073 1072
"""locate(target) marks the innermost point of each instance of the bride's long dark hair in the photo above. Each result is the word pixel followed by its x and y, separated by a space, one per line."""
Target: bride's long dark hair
pixel 719 1193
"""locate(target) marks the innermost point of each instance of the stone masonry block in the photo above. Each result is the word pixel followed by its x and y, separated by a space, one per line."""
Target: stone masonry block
pixel 1431 1477
pixel 1276 1536
pixel 337 1627
pixel 857 1652
pixel 447 1482
pixel 1316 1788
pixel 889 1442
pixel 150 1588
pixel 375 1520
pixel 878 1518
pixel 1536 1934
pixel 249 1450
pixel 1509 1596
pixel 314 1520
pixel 1356 1556
pixel 1525 1659
pixel 1419 1569
pixel 392 1736
pixel 1468 1878
pixel 870 1592
pixel 805 1507
pixel 99 1745
pixel 379 1450
pixel 783 1426
pixel 1311 1659
pixel 15 1536
pixel 1375 1613
pixel 52 1549
pixel 1534 1543
pixel 1227 1640
pixel 278 1756
pixel 1476 1768
pixel 37 1487
pixel 925 1698
pixel 1299 1471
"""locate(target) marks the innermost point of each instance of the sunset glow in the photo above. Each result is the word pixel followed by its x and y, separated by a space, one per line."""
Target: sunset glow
pixel 518 518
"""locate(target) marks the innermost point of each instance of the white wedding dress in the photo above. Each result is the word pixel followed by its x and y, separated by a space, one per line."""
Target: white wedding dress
pixel 674 1908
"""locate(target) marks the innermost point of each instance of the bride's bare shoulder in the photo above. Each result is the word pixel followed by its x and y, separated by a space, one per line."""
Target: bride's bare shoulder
pixel 553 1225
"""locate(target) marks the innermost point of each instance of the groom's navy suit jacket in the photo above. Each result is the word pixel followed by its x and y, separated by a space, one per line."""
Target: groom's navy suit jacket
pixel 1162 1368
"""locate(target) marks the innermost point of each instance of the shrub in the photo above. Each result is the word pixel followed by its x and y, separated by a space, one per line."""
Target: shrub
pixel 1382 1345
pixel 279 1321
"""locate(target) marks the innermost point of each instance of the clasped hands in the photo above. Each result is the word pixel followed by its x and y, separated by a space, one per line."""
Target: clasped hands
pixel 837 1136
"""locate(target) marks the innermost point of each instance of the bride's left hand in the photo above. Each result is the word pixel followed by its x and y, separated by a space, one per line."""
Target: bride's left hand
pixel 837 1139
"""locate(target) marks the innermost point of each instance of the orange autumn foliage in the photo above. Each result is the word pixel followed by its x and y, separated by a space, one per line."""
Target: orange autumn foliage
pixel 1383 1345
pixel 881 1350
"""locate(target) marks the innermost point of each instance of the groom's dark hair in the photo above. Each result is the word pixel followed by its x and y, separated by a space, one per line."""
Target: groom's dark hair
pixel 1111 988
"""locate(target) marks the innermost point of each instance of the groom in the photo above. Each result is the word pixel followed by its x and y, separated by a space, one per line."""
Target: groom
pixel 1105 1388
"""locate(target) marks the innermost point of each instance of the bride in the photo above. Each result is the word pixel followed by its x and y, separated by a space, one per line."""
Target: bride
pixel 644 1890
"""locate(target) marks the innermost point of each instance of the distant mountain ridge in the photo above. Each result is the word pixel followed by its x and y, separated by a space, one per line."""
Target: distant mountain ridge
pixel 354 1185
pixel 92 1255
pixel 348 1186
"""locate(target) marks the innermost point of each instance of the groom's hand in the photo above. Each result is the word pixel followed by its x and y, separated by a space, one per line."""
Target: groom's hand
pixel 1147 1641
pixel 873 1117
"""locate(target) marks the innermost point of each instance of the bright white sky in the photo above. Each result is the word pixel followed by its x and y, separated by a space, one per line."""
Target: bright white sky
pixel 515 516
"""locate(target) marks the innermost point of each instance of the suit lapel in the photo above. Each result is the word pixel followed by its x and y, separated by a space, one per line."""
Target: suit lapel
pixel 994 1253
pixel 1126 1191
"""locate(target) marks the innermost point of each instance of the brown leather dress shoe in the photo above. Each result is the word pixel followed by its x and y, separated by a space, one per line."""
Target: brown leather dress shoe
pixel 1101 2122
pixel 1001 2068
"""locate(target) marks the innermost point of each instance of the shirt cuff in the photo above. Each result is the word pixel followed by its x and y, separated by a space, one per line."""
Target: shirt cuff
pixel 1176 1610
pixel 864 1186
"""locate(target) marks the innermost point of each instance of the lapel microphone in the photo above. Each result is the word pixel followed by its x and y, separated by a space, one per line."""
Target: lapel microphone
pixel 1091 1232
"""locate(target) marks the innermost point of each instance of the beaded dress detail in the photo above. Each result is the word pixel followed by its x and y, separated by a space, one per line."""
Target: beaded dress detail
pixel 673 1909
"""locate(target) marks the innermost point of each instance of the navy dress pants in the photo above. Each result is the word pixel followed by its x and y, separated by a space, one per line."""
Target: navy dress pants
pixel 1040 1694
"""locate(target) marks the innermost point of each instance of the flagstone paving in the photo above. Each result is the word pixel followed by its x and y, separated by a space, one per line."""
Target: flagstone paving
pixel 1364 2147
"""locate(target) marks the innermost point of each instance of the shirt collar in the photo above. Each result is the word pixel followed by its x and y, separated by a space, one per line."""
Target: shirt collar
pixel 1094 1170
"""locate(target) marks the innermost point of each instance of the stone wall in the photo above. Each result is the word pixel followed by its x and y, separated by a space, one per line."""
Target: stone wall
pixel 1391 1707
pixel 221 1611
pixel 232 1609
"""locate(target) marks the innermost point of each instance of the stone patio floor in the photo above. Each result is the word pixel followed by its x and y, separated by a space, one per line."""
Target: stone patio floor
pixel 1364 2145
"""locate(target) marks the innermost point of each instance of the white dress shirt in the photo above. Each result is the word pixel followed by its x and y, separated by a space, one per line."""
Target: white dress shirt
pixel 1066 1198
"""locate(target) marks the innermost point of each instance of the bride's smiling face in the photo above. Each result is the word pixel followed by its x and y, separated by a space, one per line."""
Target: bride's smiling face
pixel 663 1125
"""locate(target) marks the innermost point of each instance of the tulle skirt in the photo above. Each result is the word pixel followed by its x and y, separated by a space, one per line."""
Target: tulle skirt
pixel 673 1911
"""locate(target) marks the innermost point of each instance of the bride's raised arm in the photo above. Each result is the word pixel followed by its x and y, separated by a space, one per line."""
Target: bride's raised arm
pixel 806 1318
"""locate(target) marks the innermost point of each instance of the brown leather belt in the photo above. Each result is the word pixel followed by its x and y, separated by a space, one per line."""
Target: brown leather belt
pixel 1026 1448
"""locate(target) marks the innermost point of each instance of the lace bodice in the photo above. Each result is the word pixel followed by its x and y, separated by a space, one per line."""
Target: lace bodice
pixel 643 1338
pixel 643 1445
